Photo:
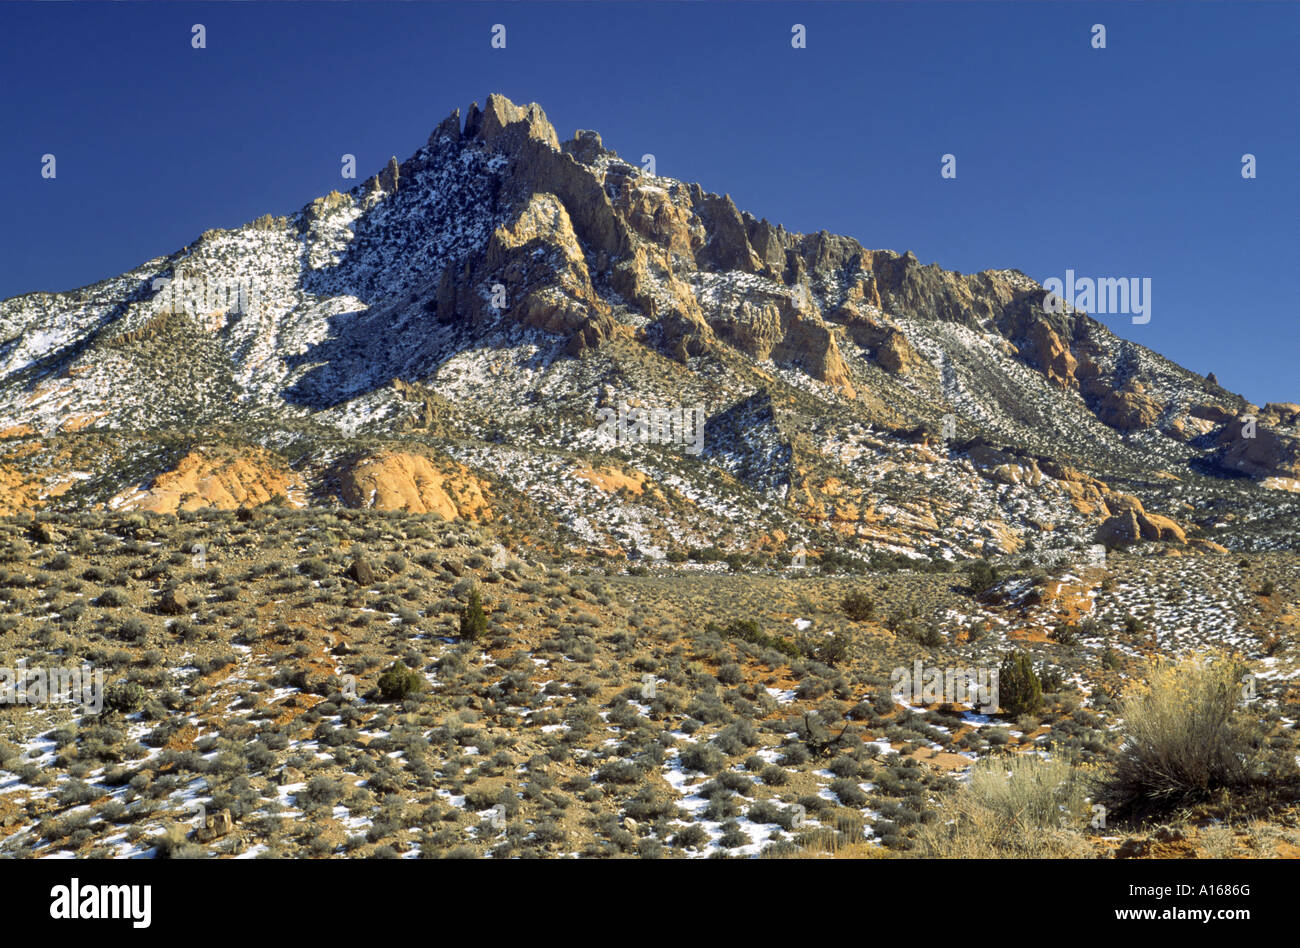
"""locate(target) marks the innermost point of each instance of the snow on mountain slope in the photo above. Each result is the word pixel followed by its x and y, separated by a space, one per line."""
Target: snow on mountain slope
pixel 489 296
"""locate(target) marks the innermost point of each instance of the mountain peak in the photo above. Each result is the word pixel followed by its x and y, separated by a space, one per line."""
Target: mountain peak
pixel 497 280
pixel 502 117
pixel 498 123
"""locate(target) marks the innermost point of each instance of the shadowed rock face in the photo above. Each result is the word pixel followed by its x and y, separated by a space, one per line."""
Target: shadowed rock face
pixel 1270 453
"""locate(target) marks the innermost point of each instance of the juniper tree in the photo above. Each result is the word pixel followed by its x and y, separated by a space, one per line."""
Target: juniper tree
pixel 1019 689
pixel 473 623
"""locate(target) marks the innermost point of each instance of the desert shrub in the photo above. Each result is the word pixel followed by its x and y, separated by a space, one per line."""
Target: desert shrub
pixel 1185 734
pixel 928 634
pixel 124 696
pixel 315 567
pixel 133 630
pixel 731 674
pixel 775 776
pixel 1019 689
pixel 623 715
pixel 320 792
pixel 711 554
pixel 770 811
pixel 173 845
pixel 849 793
pixel 735 782
pixel 648 804
pixel 844 767
pixel 113 598
pixel 732 835
pixel 857 605
pixel 837 561
pixel 792 755
pixel 735 737
pixel 835 650
pixel 620 771
pixel 703 758
pixel 747 630
pixel 812 688
pixel 1013 807
pixel 398 681
pixel 1051 679
pixel 1064 634
pixel 548 831
pixel 980 576
pixel 691 837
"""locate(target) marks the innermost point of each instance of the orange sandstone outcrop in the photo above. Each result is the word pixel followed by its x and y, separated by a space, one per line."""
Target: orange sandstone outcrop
pixel 1047 352
pixel 398 480
pixel 1129 524
pixel 1128 410
pixel 896 354
pixel 611 480
pixel 19 491
pixel 209 479
pixel 1273 453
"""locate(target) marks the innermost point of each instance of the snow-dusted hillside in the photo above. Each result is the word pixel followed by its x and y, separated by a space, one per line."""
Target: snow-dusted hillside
pixel 524 285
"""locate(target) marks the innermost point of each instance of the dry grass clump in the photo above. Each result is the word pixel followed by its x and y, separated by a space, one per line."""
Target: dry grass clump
pixel 845 840
pixel 1014 807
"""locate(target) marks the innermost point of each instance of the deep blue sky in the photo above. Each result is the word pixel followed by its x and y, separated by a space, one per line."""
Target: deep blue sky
pixel 1118 162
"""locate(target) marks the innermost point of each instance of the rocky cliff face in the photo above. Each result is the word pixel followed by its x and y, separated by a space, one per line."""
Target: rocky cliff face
pixel 588 232
pixel 479 297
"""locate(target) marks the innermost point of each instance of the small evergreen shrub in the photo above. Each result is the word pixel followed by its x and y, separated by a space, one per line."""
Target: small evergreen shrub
pixel 398 681
pixel 1019 689
pixel 473 623
pixel 858 606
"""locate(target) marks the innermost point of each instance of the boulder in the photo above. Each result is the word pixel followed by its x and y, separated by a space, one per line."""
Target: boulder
pixel 216 825
pixel 1120 530
pixel 1133 525
pixel 1128 410
pixel 362 572
pixel 1046 351
pixel 1271 453
pixel 585 146
pixel 289 775
pixel 42 532
pixel 174 602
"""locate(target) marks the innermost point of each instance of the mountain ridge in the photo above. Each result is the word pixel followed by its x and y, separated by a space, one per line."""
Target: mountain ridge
pixel 377 313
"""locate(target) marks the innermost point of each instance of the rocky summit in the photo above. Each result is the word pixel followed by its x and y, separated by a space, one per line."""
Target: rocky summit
pixel 520 500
